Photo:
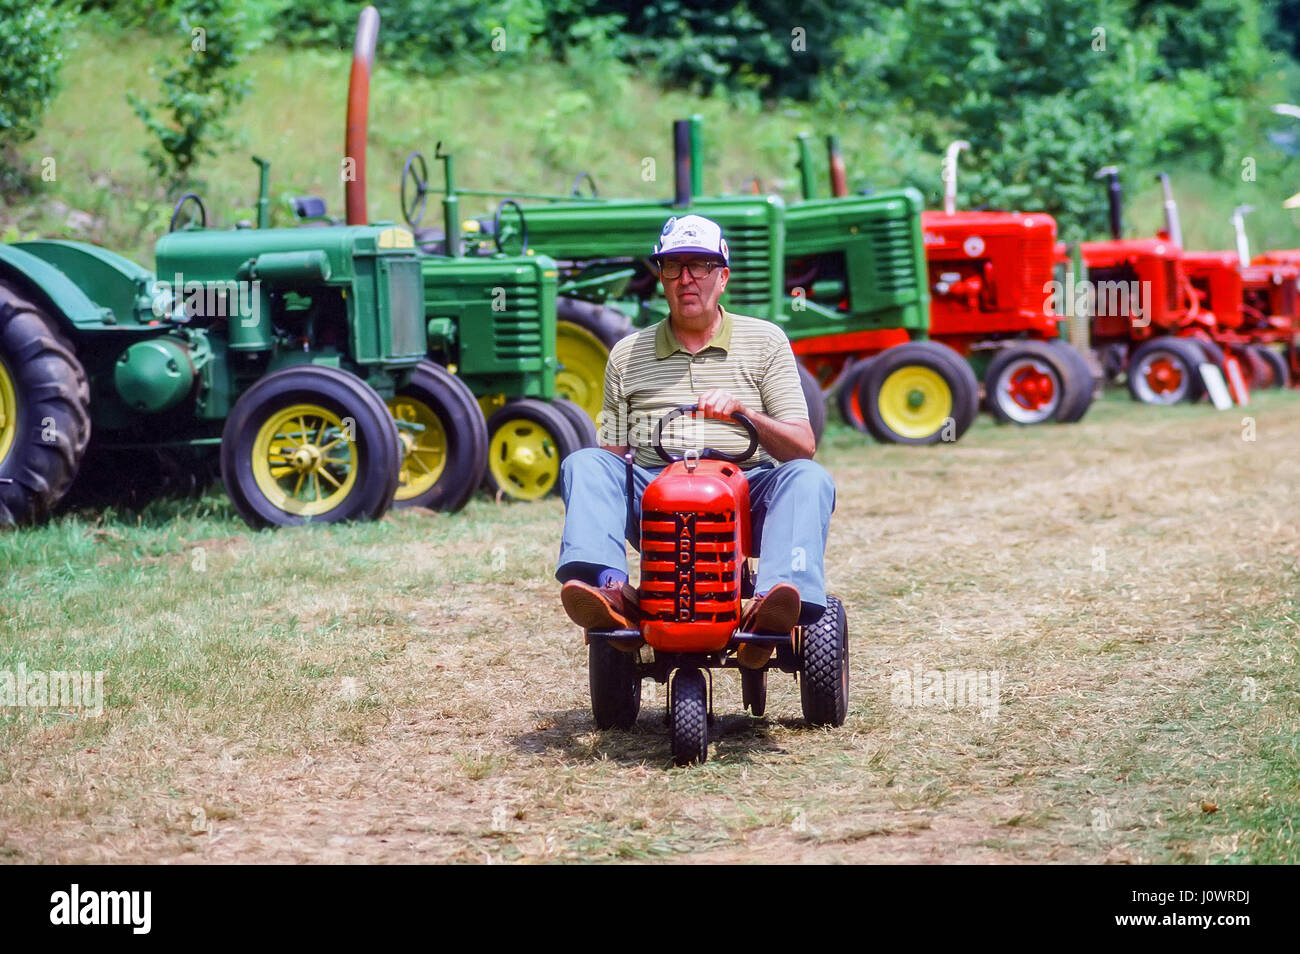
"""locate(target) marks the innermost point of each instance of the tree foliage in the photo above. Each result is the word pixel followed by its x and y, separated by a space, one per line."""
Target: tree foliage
pixel 32 34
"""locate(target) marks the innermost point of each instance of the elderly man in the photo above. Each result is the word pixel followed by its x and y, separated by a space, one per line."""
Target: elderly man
pixel 701 354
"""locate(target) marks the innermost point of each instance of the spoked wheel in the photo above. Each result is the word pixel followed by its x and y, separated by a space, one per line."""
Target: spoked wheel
pixel 527 441
pixel 1026 383
pixel 816 400
pixel 847 395
pixel 824 667
pixel 921 392
pixel 444 442
pixel 1278 373
pixel 577 417
pixel 44 411
pixel 753 690
pixel 615 686
pixel 688 717
pixel 584 334
pixel 1165 371
pixel 1078 382
pixel 309 443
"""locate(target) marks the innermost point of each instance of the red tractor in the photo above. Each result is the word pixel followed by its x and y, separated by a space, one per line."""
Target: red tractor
pixel 991 282
pixel 695 546
pixel 1147 318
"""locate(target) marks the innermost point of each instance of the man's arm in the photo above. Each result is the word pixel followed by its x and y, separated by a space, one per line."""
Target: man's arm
pixel 784 440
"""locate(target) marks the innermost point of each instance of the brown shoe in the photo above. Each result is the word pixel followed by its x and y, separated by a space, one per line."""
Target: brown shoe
pixel 777 611
pixel 601 607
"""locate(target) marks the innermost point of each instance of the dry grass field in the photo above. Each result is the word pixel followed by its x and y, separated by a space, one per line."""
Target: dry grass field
pixel 411 691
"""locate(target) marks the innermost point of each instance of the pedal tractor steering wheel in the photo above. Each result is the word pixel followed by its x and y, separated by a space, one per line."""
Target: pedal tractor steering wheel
pixel 707 453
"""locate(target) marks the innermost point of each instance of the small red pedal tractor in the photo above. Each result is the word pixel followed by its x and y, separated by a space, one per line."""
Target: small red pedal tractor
pixel 696 551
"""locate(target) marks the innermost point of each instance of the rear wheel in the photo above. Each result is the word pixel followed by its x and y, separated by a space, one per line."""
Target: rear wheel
pixel 1165 371
pixel 44 411
pixel 812 394
pixel 824 667
pixel 921 392
pixel 584 333
pixel 689 717
pixel 444 447
pixel 615 686
pixel 309 444
pixel 1026 383
pixel 583 425
pixel 527 441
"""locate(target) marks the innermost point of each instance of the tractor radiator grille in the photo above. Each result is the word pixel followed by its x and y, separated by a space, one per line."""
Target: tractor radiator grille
pixel 1038 267
pixel 517 330
pixel 750 282
pixel 690 567
pixel 1173 294
pixel 893 248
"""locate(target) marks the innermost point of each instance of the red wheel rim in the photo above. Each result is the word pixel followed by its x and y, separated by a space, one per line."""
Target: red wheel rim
pixel 1164 376
pixel 1031 388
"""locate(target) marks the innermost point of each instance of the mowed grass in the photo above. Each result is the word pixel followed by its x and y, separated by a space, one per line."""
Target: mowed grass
pixel 412 691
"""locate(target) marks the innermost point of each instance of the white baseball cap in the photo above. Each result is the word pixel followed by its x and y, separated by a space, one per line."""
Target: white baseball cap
pixel 692 233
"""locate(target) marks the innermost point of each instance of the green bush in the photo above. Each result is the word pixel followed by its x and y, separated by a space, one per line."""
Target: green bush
pixel 32 35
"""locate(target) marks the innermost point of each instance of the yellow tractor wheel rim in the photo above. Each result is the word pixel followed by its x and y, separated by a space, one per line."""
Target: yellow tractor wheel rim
pixel 914 402
pixel 424 452
pixel 305 460
pixel 524 459
pixel 8 412
pixel 582 358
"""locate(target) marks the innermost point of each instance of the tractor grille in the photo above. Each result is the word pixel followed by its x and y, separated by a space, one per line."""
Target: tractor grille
pixel 517 329
pixel 1173 294
pixel 1037 265
pixel 690 567
pixel 750 282
pixel 893 248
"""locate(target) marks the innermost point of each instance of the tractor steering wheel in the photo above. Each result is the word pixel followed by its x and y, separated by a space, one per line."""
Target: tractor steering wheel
pixel 707 453
pixel 416 175
pixel 180 204
pixel 523 227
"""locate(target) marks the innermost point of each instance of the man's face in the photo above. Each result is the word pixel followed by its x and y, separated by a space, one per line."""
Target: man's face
pixel 690 297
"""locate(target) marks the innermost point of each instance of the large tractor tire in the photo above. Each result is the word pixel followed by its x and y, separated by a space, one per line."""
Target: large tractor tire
pixel 443 463
pixel 921 392
pixel 1166 371
pixel 816 400
pixel 846 395
pixel 584 333
pixel 615 686
pixel 1081 388
pixel 1027 383
pixel 44 411
pixel 688 716
pixel 583 425
pixel 527 439
pixel 1279 375
pixel 310 444
pixel 824 666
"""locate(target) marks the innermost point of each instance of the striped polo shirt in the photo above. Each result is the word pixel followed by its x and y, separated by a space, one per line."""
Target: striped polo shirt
pixel 649 373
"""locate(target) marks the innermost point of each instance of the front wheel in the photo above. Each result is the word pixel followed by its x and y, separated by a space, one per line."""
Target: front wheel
pixel 689 717
pixel 444 440
pixel 921 392
pixel 1165 371
pixel 1026 383
pixel 309 444
pixel 528 439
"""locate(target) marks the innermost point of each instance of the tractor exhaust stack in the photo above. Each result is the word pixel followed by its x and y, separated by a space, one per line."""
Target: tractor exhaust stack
pixel 682 161
pixel 354 144
pixel 1172 225
pixel 950 175
pixel 839 176
pixel 1115 194
pixel 1239 226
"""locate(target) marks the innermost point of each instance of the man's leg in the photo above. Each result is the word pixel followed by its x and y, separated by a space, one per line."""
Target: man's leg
pixel 593 483
pixel 790 516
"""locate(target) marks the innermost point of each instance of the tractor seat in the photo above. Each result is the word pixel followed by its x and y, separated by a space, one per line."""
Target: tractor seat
pixel 309 208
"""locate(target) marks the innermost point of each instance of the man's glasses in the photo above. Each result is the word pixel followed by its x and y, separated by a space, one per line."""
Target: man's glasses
pixel 699 270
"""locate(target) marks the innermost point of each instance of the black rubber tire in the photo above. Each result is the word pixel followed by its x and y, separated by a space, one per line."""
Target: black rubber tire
pixel 753 690
pixel 812 394
pixel 1113 359
pixel 453 402
pixel 583 426
pixel 1081 388
pixel 846 392
pixel 689 717
pixel 562 442
pixel 608 324
pixel 948 364
pixel 1185 354
pixel 824 667
pixel 615 686
pixel 52 418
pixel 1045 359
pixel 1281 373
pixel 374 433
pixel 1213 353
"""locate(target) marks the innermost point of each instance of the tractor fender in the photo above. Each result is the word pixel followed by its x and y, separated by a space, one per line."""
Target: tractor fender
pixel 48 287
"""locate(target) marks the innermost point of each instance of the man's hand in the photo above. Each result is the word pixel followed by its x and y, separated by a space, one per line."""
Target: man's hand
pixel 784 440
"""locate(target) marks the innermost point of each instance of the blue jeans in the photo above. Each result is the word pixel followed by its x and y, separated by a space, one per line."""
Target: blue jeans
pixel 790 516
